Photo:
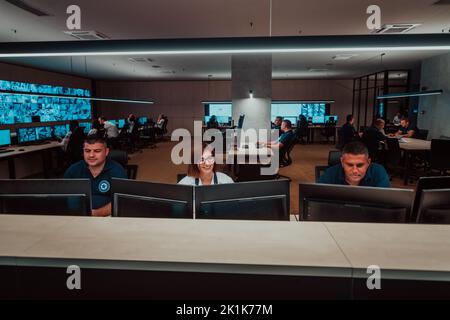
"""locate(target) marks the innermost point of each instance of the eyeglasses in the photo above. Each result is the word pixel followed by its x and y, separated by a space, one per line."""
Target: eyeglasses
pixel 208 160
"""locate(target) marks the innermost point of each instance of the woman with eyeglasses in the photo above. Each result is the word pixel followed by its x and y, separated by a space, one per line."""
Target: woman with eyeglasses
pixel 204 172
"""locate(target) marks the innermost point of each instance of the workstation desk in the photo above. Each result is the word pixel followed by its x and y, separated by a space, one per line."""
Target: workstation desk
pixel 220 259
pixel 18 151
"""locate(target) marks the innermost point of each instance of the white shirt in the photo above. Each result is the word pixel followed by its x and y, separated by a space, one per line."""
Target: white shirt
pixel 222 178
pixel 111 130
pixel 65 142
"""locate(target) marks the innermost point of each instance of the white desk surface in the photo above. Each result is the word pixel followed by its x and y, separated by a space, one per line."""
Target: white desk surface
pixel 394 246
pixel 415 144
pixel 270 247
pixel 29 149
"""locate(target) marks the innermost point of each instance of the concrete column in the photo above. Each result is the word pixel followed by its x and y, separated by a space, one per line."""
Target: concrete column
pixel 252 72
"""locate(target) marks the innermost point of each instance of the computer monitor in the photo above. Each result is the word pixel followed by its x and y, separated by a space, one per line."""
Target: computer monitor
pixel 434 207
pixel 331 118
pixel 66 197
pixel 114 122
pixel 33 134
pixel 121 123
pixel 326 202
pixel 143 120
pixel 260 200
pixel 5 138
pixel 142 199
pixel 318 119
pixel 427 183
pixel 61 130
pixel 87 127
pixel 293 120
pixel 206 119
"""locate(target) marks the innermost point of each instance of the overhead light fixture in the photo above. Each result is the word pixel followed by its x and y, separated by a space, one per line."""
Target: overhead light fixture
pixel 251 94
pixel 302 101
pixel 354 43
pixel 216 102
pixel 15 93
pixel 410 94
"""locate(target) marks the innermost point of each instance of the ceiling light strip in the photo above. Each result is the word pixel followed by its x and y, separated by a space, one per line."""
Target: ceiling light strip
pixel 342 44
pixel 410 94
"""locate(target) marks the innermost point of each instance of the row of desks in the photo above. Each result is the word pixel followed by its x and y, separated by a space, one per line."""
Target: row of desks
pixel 247 259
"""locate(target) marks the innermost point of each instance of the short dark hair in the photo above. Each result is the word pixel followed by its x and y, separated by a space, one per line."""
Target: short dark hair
pixel 95 138
pixel 103 118
pixel 279 118
pixel 288 123
pixel 355 148
pixel 405 119
pixel 73 124
pixel 349 117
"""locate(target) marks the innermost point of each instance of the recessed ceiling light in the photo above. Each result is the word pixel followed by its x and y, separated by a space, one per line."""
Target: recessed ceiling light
pixel 344 56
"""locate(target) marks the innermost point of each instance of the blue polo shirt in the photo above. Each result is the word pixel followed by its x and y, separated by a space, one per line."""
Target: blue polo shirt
pixel 101 185
pixel 376 176
pixel 286 138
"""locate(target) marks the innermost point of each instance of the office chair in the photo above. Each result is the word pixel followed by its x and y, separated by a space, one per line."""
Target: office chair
pixel 285 154
pixel 434 207
pixel 329 131
pixel 393 157
pixel 440 156
pixel 334 157
pixel 121 157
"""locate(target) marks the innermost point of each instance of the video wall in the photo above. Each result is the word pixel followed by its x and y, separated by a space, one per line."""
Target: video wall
pixel 291 111
pixel 17 108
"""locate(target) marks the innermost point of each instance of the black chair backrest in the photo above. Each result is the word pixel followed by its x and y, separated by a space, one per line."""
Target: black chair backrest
pixel 319 170
pixel 440 154
pixel 74 151
pixel 422 134
pixel 119 156
pixel 434 207
pixel 393 154
pixel 334 157
pixel 180 176
pixel 428 183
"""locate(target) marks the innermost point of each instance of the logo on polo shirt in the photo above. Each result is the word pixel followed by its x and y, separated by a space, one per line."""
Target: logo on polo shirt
pixel 104 186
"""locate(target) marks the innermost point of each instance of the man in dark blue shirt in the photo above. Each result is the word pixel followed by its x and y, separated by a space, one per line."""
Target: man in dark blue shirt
pixel 356 169
pixel 348 132
pixel 407 130
pixel 284 140
pixel 99 169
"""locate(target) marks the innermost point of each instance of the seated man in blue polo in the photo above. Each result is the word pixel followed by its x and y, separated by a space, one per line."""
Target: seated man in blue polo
pixel 97 167
pixel 356 169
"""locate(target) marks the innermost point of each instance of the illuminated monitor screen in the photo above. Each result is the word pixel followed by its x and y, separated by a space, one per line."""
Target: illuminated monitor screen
pixel 318 119
pixel 114 122
pixel 331 117
pixel 87 126
pixel 284 110
pixel 121 123
pixel 5 138
pixel 61 130
pixel 142 120
pixel 34 134
pixel 219 110
pixel 20 108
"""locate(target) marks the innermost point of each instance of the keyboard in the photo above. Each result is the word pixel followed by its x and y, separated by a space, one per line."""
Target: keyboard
pixel 6 151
